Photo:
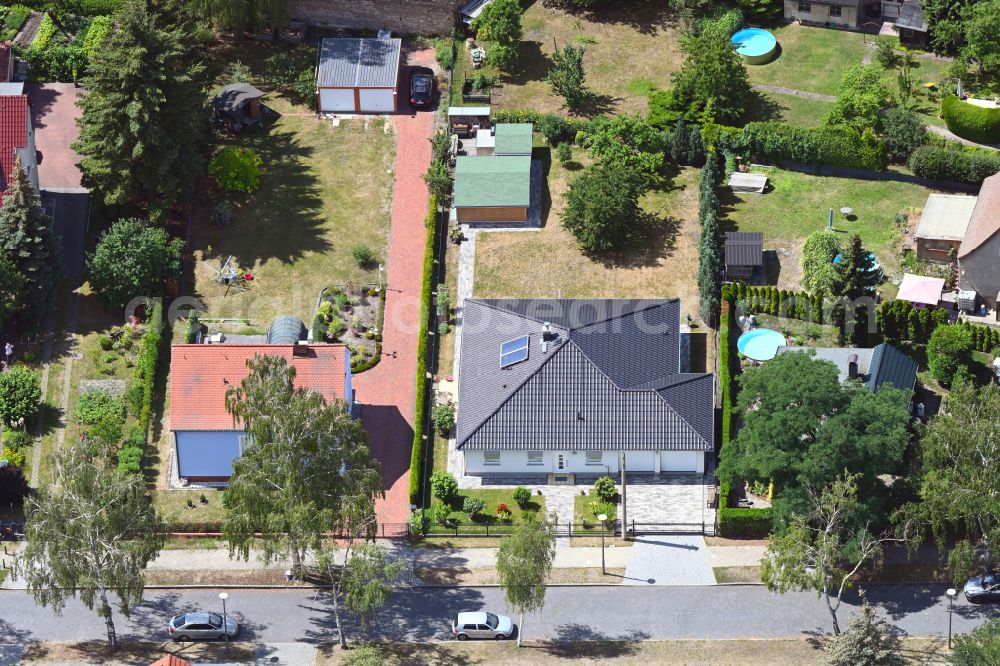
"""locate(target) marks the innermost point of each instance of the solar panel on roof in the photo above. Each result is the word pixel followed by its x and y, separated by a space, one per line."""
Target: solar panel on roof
pixel 514 351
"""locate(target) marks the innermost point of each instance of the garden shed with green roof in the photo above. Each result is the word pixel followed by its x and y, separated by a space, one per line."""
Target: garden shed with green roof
pixel 496 188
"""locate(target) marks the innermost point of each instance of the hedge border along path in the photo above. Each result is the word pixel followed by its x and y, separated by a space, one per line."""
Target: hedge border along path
pixel 417 454
pixel 733 522
pixel 975 123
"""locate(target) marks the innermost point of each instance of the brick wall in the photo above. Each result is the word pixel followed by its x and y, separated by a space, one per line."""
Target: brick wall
pixel 419 17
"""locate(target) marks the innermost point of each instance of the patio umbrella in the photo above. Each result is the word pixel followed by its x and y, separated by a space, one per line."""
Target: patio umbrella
pixel 829 225
pixel 959 91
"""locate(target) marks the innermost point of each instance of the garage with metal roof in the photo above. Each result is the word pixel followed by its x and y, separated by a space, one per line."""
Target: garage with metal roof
pixel 358 75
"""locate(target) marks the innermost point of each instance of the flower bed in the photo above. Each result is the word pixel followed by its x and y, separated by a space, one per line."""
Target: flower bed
pixel 352 315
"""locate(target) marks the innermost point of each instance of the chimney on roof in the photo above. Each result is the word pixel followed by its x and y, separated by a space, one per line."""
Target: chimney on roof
pixel 852 366
pixel 300 351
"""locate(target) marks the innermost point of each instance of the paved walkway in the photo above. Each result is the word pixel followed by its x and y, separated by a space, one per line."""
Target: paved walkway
pixel 781 90
pixel 388 391
pixel 669 560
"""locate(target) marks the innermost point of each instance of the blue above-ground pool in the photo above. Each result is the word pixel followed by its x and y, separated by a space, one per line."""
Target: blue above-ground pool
pixel 756 45
pixel 760 344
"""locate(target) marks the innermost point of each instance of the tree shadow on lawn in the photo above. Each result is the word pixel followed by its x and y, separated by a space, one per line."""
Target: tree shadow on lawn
pixel 283 219
pixel 654 238
pixel 598 645
pixel 531 65
pixel 761 108
pixel 647 18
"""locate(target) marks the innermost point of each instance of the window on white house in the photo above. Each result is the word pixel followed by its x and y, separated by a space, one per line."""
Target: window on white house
pixel 835 10
pixel 534 457
pixel 805 7
pixel 491 457
pixel 594 458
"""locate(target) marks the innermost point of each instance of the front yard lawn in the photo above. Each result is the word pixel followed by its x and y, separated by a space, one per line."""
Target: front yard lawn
pixel 323 191
pixel 584 518
pixel 797 204
pixel 173 506
pixel 549 263
pixel 810 59
pixel 493 498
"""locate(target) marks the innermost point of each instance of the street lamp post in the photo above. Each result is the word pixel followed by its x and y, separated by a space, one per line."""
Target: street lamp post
pixel 225 618
pixel 604 519
pixel 952 593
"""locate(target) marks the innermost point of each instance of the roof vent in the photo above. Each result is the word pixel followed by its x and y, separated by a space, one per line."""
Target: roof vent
pixel 852 366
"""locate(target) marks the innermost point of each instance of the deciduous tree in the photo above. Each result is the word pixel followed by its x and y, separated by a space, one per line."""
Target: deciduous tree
pixel 960 480
pixel 602 207
pixel 802 427
pixel 239 15
pixel 132 259
pixel 306 470
pixel 904 132
pixel 979 646
pixel 818 271
pixel 523 565
pixel 143 122
pixel 627 140
pixel 567 76
pixel 823 550
pixel 862 98
pixel 29 246
pixel 949 350
pixel 89 534
pixel 981 21
pixel 20 395
pixel 500 23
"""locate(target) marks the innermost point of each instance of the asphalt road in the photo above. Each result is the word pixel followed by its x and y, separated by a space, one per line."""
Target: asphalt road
pixel 570 613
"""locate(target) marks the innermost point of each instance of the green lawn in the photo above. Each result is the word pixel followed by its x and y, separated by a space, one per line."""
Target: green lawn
pixel 811 59
pixel 584 518
pixel 518 264
pixel 798 204
pixel 792 110
pixel 493 497
pixel 624 42
pixel 800 333
pixel 173 505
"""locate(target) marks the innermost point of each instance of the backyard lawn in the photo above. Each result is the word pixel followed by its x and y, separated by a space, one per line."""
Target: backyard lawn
pixel 624 45
pixel 548 262
pixel 798 204
pixel 793 110
pixel 323 191
pixel 810 59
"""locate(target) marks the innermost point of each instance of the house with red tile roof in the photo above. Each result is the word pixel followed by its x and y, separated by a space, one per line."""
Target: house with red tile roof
pixel 17 138
pixel 979 253
pixel 206 440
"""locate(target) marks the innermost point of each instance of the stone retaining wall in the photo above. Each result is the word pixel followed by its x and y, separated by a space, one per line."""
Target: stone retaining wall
pixel 410 17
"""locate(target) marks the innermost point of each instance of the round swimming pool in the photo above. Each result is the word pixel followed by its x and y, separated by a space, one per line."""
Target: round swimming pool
pixel 756 45
pixel 760 344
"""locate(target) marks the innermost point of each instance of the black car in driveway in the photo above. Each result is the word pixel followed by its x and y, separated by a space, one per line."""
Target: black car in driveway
pixel 422 83
pixel 983 588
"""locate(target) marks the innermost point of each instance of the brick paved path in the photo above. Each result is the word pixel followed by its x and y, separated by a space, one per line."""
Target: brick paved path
pixel 388 390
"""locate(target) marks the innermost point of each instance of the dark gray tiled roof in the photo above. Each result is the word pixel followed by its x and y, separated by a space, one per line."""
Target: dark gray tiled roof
pixel 891 366
pixel 607 380
pixel 363 63
pixel 744 248
pixel 911 17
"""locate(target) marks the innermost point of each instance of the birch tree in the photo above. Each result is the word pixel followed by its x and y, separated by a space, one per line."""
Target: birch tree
pixel 91 533
pixel 523 564
pixel 959 496
pixel 824 550
pixel 306 470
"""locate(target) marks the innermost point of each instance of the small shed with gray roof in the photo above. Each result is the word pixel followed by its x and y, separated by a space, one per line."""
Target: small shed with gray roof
pixel 358 75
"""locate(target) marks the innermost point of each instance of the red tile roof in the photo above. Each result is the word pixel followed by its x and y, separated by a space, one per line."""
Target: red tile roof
pixel 5 62
pixel 13 132
pixel 200 375
pixel 985 220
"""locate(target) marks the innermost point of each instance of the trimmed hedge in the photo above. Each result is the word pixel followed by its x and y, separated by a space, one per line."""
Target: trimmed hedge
pixel 565 128
pixel 963 166
pixel 984 338
pixel 420 410
pixel 146 361
pixel 971 122
pixel 771 141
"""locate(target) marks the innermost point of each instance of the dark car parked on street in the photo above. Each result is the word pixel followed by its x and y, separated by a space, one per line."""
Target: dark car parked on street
pixel 422 84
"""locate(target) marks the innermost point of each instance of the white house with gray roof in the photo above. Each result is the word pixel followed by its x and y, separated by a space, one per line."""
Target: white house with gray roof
pixel 560 387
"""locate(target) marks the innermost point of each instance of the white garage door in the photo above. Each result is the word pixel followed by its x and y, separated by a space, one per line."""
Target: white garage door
pixel 377 100
pixel 336 100
pixel 640 461
pixel 679 461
